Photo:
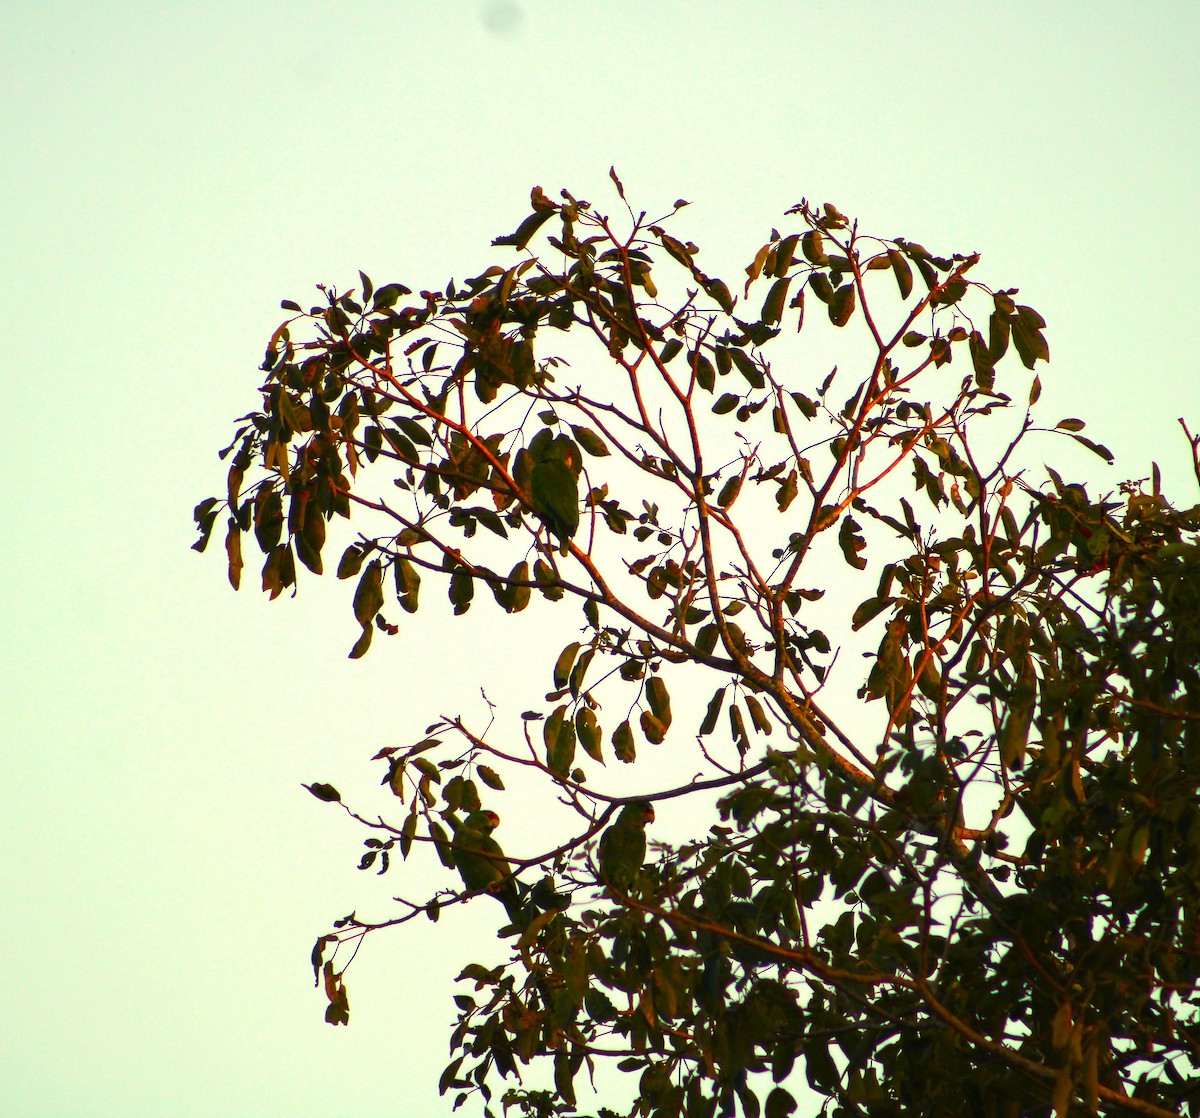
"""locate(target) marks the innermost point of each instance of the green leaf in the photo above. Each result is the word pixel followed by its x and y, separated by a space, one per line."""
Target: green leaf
pixel 351 561
pixel 1096 448
pixel 490 777
pixel 841 304
pixel 558 732
pixel 327 793
pixel 233 551
pixel 408 584
pixel 363 643
pixel 726 403
pixel 524 232
pixel 389 295
pixel 562 667
pixel 368 597
pixel 518 596
pixel 652 727
pixel 776 300
pixel 590 441
pixel 713 712
pixel 821 287
pixel 780 1104
pixel 729 491
pixel 902 272
pixel 758 716
pixel 784 255
pixel 670 350
pixel 622 741
pixel 868 611
pixel 851 541
pixel 812 244
pixel 462 590
pixel 706 375
pixel 737 728
pixel 587 730
pixel 1027 336
pixel 659 699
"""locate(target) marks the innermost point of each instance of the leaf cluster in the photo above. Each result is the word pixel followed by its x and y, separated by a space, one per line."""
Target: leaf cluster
pixel 947 709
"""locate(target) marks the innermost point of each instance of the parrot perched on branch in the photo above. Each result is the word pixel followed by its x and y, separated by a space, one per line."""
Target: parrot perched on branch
pixel 623 846
pixel 554 488
pixel 482 865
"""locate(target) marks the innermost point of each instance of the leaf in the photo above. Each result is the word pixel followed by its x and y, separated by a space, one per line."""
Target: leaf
pixel 518 596
pixel 558 733
pixel 233 550
pixel 351 562
pixel 729 491
pixel 327 793
pixel 813 246
pixel 659 699
pixel 462 590
pixel 902 272
pixel 746 366
pixel 622 741
pixel 562 666
pixel 368 597
pixel 725 404
pixel 772 310
pixel 758 716
pixel 652 727
pixel 998 334
pixel 737 728
pixel 524 232
pixel 787 491
pixel 389 295
pixel 784 255
pixel 868 611
pixel 1070 425
pixel 851 540
pixel 408 585
pixel 590 441
pixel 713 712
pixel 612 174
pixel 363 643
pixel 779 1104
pixel 1028 338
pixel 821 287
pixel 587 730
pixel 1096 448
pixel 490 777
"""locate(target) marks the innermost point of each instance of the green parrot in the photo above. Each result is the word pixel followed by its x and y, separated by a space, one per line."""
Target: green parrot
pixel 482 865
pixel 623 845
pixel 554 489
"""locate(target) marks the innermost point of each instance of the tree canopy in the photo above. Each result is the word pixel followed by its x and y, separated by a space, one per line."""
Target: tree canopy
pixel 938 703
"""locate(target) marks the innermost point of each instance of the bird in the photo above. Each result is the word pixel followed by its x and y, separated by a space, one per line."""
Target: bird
pixel 554 490
pixel 482 865
pixel 623 846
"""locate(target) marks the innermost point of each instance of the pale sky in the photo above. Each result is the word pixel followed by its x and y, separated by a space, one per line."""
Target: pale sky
pixel 171 171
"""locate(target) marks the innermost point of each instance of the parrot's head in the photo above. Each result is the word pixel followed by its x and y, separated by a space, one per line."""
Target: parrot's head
pixel 486 821
pixel 642 811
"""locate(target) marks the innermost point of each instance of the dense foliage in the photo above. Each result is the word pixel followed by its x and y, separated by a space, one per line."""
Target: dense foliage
pixel 942 704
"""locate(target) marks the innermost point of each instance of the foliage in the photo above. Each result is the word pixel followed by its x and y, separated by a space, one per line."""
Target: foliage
pixel 947 707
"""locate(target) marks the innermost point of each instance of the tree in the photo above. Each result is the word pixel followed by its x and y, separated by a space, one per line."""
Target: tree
pixel 943 704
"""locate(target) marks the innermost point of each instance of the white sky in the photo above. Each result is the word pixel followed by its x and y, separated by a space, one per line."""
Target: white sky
pixel 171 171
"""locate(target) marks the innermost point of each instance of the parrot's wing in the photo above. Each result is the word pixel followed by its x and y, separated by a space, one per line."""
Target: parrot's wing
pixel 555 495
